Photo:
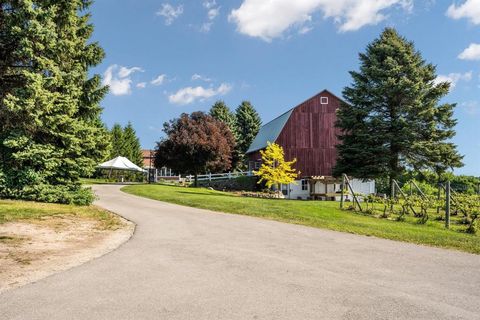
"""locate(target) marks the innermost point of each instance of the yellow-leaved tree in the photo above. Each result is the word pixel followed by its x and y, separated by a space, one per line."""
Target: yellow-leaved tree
pixel 274 169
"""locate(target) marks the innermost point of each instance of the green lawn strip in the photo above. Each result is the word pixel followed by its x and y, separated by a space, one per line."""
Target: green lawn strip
pixel 26 210
pixel 91 181
pixel 320 214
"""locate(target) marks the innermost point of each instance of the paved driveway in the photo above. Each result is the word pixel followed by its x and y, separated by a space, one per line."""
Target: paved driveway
pixel 185 263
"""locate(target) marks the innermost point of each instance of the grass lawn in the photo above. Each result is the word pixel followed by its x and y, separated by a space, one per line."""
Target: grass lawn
pixel 320 214
pixel 26 210
pixel 90 181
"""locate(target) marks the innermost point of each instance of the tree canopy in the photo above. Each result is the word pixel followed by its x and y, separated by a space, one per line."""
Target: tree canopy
pixel 392 118
pixel 221 112
pixel 125 143
pixel 274 169
pixel 51 132
pixel 195 143
pixel 248 124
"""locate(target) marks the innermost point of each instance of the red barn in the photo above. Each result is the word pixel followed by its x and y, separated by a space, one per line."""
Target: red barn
pixel 306 132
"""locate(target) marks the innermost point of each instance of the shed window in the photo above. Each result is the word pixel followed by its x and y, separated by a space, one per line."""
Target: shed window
pixel 257 165
pixel 324 100
pixel 304 185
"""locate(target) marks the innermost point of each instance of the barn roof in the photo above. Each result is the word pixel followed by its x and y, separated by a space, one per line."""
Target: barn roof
pixel 269 132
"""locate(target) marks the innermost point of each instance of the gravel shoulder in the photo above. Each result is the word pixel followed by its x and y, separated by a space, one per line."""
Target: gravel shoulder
pixel 33 249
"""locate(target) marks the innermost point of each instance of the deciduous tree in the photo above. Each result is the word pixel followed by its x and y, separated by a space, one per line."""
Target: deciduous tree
pixel 274 169
pixel 194 144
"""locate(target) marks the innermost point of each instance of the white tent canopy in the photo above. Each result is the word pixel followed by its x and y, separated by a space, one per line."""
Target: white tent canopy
pixel 120 163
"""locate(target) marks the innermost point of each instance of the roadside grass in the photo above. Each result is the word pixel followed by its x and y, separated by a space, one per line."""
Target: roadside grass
pixel 12 210
pixel 319 214
pixel 90 181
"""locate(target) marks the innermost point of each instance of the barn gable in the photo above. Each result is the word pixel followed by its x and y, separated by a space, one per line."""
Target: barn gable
pixel 308 134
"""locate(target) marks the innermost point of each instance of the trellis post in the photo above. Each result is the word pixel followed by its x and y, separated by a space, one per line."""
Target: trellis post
pixel 447 205
pixel 343 191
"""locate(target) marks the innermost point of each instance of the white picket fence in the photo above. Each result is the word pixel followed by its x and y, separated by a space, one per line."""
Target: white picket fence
pixel 219 176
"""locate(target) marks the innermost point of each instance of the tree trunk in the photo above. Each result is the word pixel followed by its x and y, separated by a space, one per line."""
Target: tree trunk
pixel 195 183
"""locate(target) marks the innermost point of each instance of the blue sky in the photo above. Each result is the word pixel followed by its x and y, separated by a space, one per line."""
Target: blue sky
pixel 168 57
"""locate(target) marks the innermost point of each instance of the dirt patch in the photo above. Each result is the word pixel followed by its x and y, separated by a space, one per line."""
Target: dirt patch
pixel 33 249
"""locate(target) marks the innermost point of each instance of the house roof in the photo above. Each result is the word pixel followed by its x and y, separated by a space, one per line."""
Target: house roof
pixel 269 132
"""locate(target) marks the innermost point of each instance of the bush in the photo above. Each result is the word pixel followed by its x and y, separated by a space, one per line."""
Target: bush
pixel 264 195
pixel 244 183
pixel 63 194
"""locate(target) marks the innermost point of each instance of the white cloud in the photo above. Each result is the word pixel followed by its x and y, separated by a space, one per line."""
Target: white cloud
pixel 270 19
pixel 471 53
pixel 197 76
pixel 192 94
pixel 213 13
pixel 158 81
pixel 206 27
pixel 454 78
pixel 209 3
pixel 170 13
pixel 305 29
pixel 471 107
pixel 118 79
pixel 470 10
pixel 125 72
pixel 141 85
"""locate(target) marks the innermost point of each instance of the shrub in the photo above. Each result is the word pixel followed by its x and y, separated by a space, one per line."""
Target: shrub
pixel 76 194
pixel 243 183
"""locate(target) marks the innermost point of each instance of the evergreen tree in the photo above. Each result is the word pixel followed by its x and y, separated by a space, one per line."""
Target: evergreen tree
pixel 133 150
pixel 125 143
pixel 221 112
pixel 118 149
pixel 51 132
pixel 392 119
pixel 248 124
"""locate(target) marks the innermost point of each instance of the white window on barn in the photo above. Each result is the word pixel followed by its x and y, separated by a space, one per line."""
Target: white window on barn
pixel 257 165
pixel 304 185
pixel 324 100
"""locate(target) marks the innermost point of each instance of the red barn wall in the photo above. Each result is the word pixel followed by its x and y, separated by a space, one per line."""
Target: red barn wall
pixel 310 136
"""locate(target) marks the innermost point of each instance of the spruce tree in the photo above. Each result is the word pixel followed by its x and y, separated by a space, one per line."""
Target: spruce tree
pixel 51 133
pixel 248 124
pixel 392 118
pixel 125 143
pixel 221 112
pixel 133 150
pixel 118 149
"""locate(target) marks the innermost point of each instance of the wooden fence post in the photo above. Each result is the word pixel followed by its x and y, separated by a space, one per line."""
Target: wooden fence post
pixel 447 205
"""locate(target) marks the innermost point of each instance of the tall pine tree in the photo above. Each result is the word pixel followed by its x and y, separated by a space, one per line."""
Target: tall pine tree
pixel 125 143
pixel 221 112
pixel 51 132
pixel 132 145
pixel 393 118
pixel 248 124
pixel 118 149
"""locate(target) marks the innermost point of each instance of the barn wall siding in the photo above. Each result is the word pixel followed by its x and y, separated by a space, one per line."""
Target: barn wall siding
pixel 310 136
